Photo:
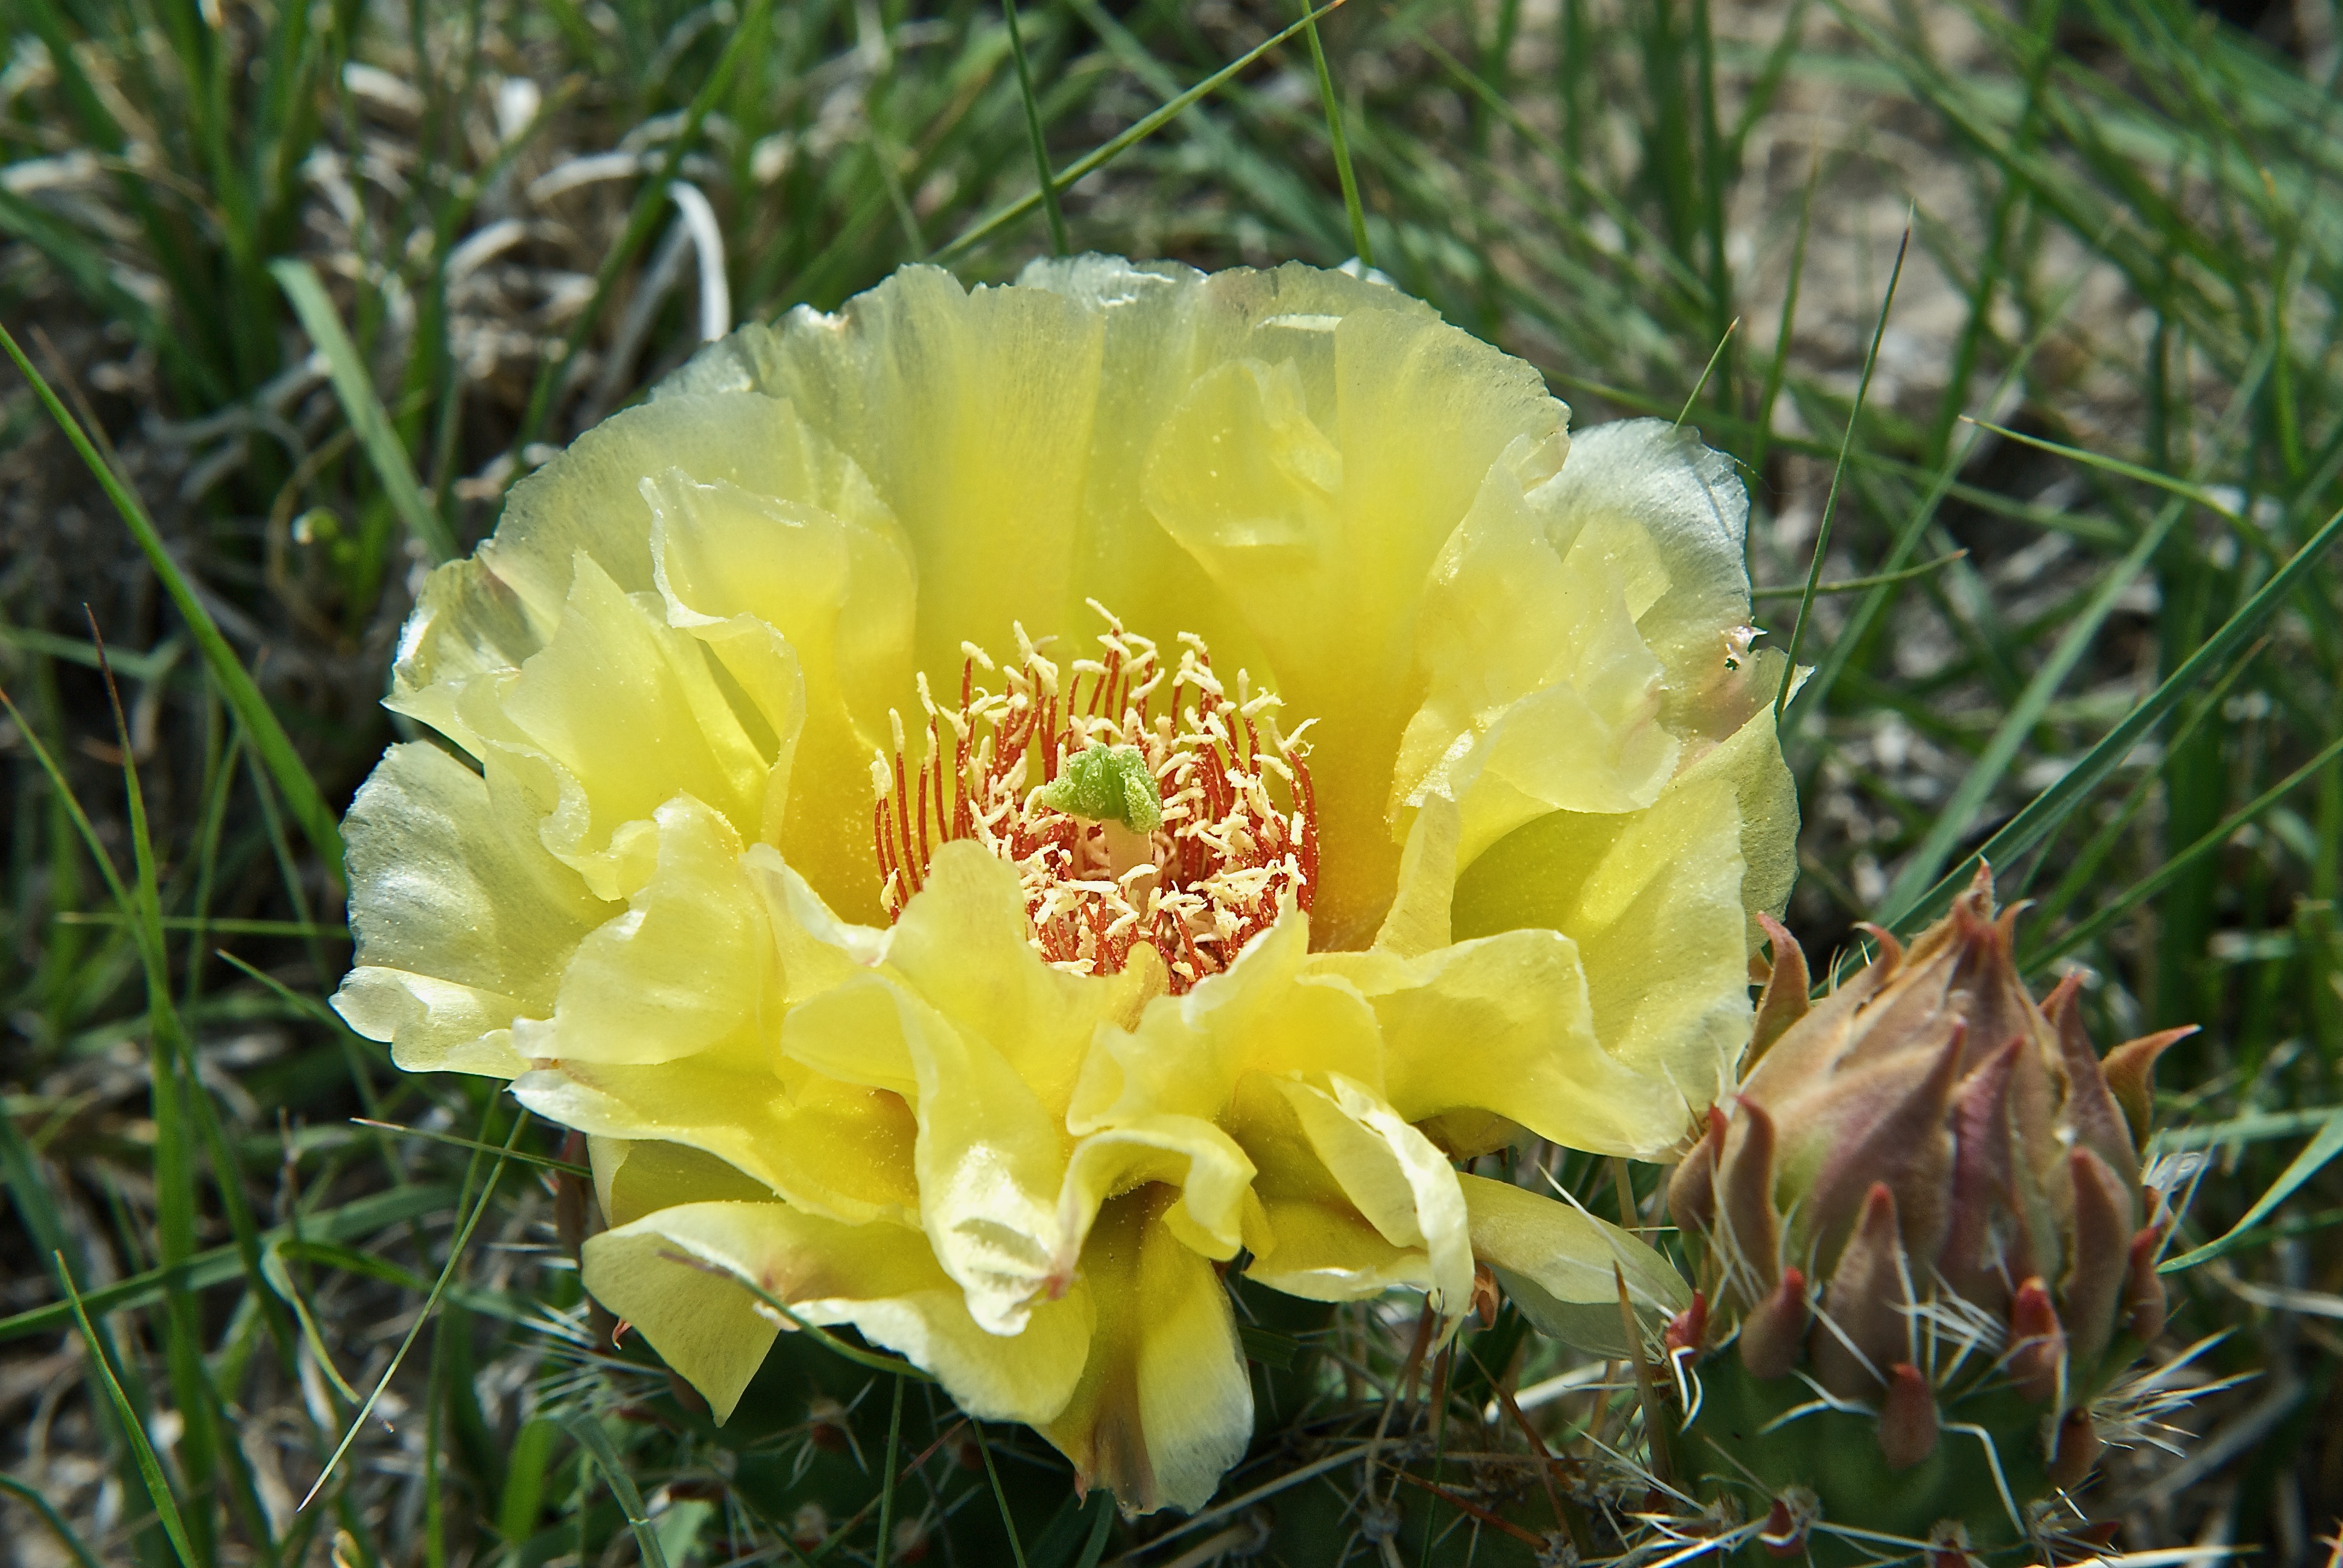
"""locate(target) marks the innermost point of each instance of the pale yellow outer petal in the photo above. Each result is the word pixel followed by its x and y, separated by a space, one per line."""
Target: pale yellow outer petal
pixel 1658 901
pixel 1544 695
pixel 1399 1183
pixel 1564 1267
pixel 1505 1024
pixel 837 590
pixel 832 1148
pixel 634 1178
pixel 689 966
pixel 676 1275
pixel 1309 1238
pixel 463 921
pixel 1186 1053
pixel 1672 513
pixel 493 609
pixel 1164 1405
pixel 628 713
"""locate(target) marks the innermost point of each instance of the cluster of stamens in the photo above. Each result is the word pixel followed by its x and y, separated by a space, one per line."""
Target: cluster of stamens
pixel 1236 842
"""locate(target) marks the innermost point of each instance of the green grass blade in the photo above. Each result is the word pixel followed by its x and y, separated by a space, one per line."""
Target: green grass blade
pixel 1830 501
pixel 542 1162
pixel 252 711
pixel 887 1478
pixel 1792 590
pixel 2172 484
pixel 1139 132
pixel 648 204
pixel 2313 1159
pixel 999 1499
pixel 363 406
pixel 430 1304
pixel 216 1265
pixel 596 1442
pixel 2047 810
pixel 150 1467
pixel 1047 186
pixel 1335 138
pixel 64 1531
pixel 1943 481
pixel 1986 774
pixel 2166 874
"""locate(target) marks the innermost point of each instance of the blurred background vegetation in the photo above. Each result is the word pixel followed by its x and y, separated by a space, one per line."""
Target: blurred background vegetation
pixel 321 280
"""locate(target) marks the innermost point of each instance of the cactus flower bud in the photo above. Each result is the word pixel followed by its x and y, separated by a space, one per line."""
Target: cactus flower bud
pixel 1923 1211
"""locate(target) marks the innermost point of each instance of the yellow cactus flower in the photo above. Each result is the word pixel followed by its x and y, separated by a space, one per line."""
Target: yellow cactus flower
pixel 1318 769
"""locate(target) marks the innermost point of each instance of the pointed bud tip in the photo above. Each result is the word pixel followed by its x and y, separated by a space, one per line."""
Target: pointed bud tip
pixel 1774 1328
pixel 2037 1342
pixel 2077 1448
pixel 1907 1418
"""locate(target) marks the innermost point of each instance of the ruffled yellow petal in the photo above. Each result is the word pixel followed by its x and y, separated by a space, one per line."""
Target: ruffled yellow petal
pixel 1544 695
pixel 620 713
pixel 689 966
pixel 1399 1183
pixel 1562 1267
pixel 984 1039
pixel 1658 901
pixel 963 944
pixel 1310 1238
pixel 633 1178
pixel 676 1275
pixel 1504 1024
pixel 1316 478
pixel 777 586
pixel 492 611
pixel 1164 1405
pixel 1186 1053
pixel 1671 514
pixel 833 1149
pixel 1202 1165
pixel 463 922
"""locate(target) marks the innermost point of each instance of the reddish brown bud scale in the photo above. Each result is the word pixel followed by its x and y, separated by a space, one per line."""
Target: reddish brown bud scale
pixel 1907 1418
pixel 2037 1342
pixel 2143 1299
pixel 2077 1450
pixel 2128 1068
pixel 1745 1193
pixel 1691 1185
pixel 1862 1330
pixel 1688 1329
pixel 2104 1215
pixel 1784 1000
pixel 1925 1163
pixel 1774 1329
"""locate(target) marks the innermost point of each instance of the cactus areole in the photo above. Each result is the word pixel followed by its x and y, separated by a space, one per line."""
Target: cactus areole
pixel 1928 1248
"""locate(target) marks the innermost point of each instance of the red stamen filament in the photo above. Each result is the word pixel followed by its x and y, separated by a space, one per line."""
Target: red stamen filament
pixel 1227 861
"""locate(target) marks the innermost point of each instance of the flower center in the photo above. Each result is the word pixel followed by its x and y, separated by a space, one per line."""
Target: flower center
pixel 1137 805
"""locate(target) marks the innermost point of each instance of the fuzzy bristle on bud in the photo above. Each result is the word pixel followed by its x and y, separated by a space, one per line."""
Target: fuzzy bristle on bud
pixel 1921 1208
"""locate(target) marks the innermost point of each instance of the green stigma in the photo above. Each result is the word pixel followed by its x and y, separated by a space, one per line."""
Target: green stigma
pixel 1107 784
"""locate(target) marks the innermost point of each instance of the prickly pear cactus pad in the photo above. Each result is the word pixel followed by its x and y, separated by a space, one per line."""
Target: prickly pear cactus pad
pixel 1927 1253
pixel 998 809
